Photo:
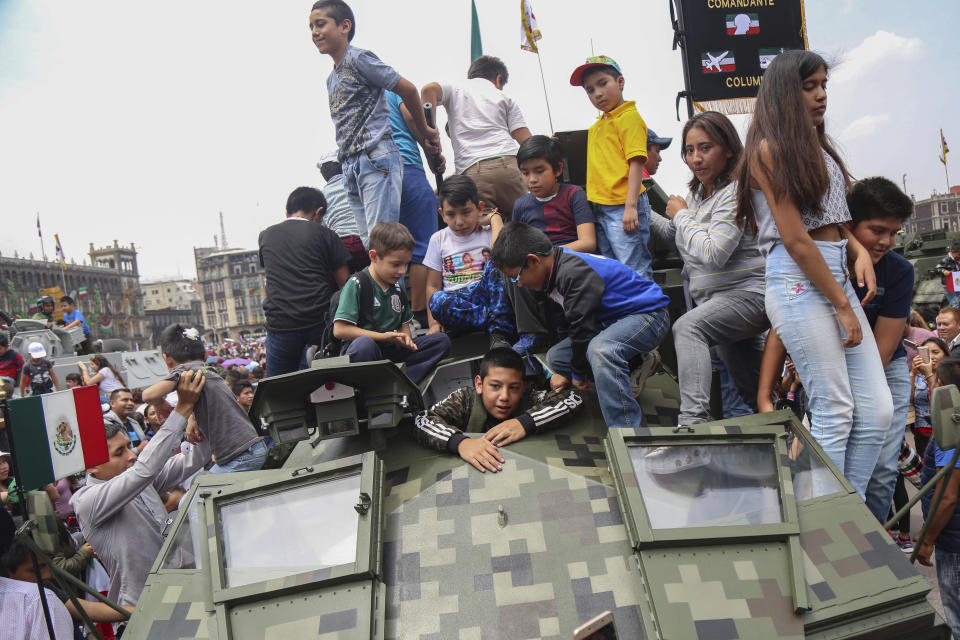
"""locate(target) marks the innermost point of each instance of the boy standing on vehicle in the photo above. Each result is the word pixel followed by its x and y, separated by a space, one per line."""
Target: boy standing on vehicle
pixel 616 154
pixel 356 88
pixel 486 127
pixel 613 314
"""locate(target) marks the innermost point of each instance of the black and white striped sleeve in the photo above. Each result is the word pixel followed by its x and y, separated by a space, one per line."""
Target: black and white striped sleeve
pixel 441 426
pixel 550 410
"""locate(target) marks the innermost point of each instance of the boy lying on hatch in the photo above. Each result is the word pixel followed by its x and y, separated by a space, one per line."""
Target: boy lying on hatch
pixel 500 405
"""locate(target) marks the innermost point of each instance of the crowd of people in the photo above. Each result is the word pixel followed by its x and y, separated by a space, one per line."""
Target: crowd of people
pixel 793 293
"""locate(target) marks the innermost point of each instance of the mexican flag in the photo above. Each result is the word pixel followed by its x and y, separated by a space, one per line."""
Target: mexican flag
pixel 742 24
pixel 953 281
pixel 106 322
pixel 82 292
pixel 767 56
pixel 57 434
pixel 717 61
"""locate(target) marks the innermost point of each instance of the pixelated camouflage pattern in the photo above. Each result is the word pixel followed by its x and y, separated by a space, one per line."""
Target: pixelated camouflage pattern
pixel 541 547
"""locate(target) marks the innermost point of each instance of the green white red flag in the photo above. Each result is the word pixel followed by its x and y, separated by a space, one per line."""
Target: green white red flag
pixel 57 435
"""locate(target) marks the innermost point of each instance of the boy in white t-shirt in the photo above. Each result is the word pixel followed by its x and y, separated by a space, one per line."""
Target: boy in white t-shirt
pixel 486 128
pixel 465 292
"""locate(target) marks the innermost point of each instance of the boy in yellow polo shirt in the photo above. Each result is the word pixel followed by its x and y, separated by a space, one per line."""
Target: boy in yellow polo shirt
pixel 616 153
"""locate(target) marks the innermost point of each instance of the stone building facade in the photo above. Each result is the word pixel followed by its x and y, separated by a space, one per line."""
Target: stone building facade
pixel 231 284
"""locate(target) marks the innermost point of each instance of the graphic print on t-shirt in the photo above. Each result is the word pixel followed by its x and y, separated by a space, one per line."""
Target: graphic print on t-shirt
pixel 462 268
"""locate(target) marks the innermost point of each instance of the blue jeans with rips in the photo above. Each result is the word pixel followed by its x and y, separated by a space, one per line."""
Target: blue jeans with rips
pixel 948 575
pixel 849 402
pixel 250 460
pixel 613 242
pixel 373 181
pixel 609 354
pixel 882 483
pixel 480 306
pixel 286 350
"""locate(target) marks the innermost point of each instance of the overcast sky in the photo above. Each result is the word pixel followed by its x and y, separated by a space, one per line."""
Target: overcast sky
pixel 140 121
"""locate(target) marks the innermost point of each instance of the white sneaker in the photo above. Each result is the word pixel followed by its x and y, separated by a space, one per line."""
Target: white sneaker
pixel 638 377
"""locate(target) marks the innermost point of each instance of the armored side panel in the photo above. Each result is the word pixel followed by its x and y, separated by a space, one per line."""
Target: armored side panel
pixel 143 368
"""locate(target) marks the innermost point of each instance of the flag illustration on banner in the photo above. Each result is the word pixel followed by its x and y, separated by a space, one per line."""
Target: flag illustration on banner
pixel 953 281
pixel 767 56
pixel 715 62
pixel 742 24
pixel 57 434
pixel 529 31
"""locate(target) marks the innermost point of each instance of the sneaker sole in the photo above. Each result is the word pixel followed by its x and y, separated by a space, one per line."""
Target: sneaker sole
pixel 639 376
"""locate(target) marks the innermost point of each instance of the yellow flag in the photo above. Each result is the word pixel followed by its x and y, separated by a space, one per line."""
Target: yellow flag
pixel 529 31
pixel 944 149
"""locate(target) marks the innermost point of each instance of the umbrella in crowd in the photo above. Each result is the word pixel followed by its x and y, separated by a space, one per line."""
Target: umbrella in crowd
pixel 232 361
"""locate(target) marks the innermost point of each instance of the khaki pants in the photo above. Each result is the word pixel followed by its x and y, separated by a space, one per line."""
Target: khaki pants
pixel 499 182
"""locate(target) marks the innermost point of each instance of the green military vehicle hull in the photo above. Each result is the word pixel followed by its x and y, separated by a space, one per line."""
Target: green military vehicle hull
pixel 733 529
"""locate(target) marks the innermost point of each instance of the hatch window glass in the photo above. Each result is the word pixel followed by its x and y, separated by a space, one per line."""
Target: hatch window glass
pixel 812 478
pixel 708 485
pixel 289 532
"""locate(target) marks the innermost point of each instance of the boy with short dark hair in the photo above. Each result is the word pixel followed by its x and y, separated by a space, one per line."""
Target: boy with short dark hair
pixel 358 106
pixel 304 263
pixel 382 331
pixel 559 210
pixel 233 440
pixel 73 380
pixel 72 317
pixel 465 292
pixel 878 209
pixel 500 405
pixel 943 532
pixel 616 154
pixel 614 316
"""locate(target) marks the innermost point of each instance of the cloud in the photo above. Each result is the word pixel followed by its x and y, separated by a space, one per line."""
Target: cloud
pixel 864 126
pixel 876 50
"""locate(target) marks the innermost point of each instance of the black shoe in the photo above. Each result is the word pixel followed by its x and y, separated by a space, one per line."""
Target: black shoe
pixel 499 341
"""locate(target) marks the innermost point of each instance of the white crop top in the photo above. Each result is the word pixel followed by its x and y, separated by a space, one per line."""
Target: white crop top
pixel 833 204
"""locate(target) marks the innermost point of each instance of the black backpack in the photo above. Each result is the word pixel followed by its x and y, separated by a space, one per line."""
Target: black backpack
pixel 330 345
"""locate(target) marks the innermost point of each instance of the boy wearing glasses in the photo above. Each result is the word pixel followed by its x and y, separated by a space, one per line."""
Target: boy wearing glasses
pixel 613 314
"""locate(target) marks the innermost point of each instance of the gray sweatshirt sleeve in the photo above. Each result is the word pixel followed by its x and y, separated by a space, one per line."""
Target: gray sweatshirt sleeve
pixel 106 499
pixel 663 228
pixel 711 242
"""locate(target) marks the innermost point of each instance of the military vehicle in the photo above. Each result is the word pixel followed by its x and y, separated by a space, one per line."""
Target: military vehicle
pixel 733 529
pixel 138 368
pixel 924 250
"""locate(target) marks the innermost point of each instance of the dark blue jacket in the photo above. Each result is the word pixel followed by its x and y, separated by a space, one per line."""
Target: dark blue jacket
pixel 595 292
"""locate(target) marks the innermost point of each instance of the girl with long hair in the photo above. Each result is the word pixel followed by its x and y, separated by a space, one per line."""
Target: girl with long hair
pixel 102 374
pixel 792 193
pixel 721 266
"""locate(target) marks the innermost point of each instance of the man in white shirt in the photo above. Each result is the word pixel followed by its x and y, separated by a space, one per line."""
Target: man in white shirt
pixel 486 127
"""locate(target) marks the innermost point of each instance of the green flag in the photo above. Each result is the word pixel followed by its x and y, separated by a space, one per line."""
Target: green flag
pixel 476 47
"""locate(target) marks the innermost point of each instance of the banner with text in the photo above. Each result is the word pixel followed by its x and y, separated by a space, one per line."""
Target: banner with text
pixel 729 43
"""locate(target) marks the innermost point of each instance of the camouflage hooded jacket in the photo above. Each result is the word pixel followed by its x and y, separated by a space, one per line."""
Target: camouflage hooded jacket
pixel 441 427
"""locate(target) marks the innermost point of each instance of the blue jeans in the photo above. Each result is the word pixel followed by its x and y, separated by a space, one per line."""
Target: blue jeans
pixel 850 406
pixel 286 350
pixel 373 181
pixel 613 242
pixel 250 460
pixel 430 350
pixel 610 353
pixel 948 575
pixel 882 483
pixel 418 209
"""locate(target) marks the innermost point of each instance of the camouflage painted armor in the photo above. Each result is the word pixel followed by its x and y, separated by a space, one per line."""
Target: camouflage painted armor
pixel 442 426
